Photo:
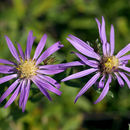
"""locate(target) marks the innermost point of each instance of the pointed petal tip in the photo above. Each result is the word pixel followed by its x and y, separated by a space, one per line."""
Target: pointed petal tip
pixel 30 31
pixel 45 36
pixel 60 45
pixel 59 93
pixel 103 18
pixel 75 100
pixel 63 80
pixel 70 35
pixel 112 28
pixel 68 38
pixel 23 110
pixel 50 99
pixel 5 106
pixel 5 36
pixel 95 102
pixel 97 20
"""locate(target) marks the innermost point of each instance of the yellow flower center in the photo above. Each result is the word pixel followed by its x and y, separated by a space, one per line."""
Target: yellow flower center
pixel 109 64
pixel 27 69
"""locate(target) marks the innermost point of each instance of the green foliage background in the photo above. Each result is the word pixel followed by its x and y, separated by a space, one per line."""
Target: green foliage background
pixel 58 18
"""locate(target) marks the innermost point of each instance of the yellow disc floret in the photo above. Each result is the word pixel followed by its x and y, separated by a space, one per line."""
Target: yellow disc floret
pixel 109 64
pixel 27 69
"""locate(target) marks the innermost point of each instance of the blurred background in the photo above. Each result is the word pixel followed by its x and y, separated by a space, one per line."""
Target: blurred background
pixel 58 18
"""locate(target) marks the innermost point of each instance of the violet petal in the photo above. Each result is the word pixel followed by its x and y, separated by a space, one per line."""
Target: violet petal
pixel 63 65
pixel 13 97
pixel 79 74
pixel 101 82
pixel 55 47
pixel 123 51
pixel 43 90
pixel 4 69
pixel 112 40
pixel 22 93
pixel 87 85
pixel 12 49
pixel 46 85
pixel 7 62
pixel 30 41
pixel 83 50
pixel 50 80
pixel 49 72
pixel 82 43
pixel 7 78
pixel 125 78
pixel 9 90
pixel 85 60
pixel 40 46
pixel 20 51
pixel 119 79
pixel 105 90
pixel 99 26
pixel 127 57
pixel 27 89
pixel 124 68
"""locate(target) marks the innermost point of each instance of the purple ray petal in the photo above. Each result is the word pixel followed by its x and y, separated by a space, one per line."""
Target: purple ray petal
pixel 85 60
pixel 112 40
pixel 94 62
pixel 125 78
pixel 83 50
pixel 7 62
pixel 87 86
pixel 46 85
pixel 127 57
pixel 22 94
pixel 101 82
pixel 119 79
pixel 103 32
pixel 20 51
pixel 30 41
pixel 79 74
pixel 99 26
pixel 124 68
pixel 80 42
pixel 40 46
pixel 108 49
pixel 12 49
pixel 7 78
pixel 49 72
pixel 27 89
pixel 103 36
pixel 43 90
pixel 105 90
pixel 9 90
pixel 13 97
pixel 50 80
pixel 55 47
pixel 104 49
pixel 123 51
pixel 6 69
pixel 123 63
pixel 63 65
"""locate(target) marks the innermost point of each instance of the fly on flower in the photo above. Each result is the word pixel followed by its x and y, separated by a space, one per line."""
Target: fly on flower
pixel 105 66
pixel 27 69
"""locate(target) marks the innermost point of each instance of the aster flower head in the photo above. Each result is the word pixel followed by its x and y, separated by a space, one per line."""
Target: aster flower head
pixel 27 69
pixel 105 66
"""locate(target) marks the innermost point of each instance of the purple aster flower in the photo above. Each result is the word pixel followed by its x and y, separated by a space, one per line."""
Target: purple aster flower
pixel 28 69
pixel 105 66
